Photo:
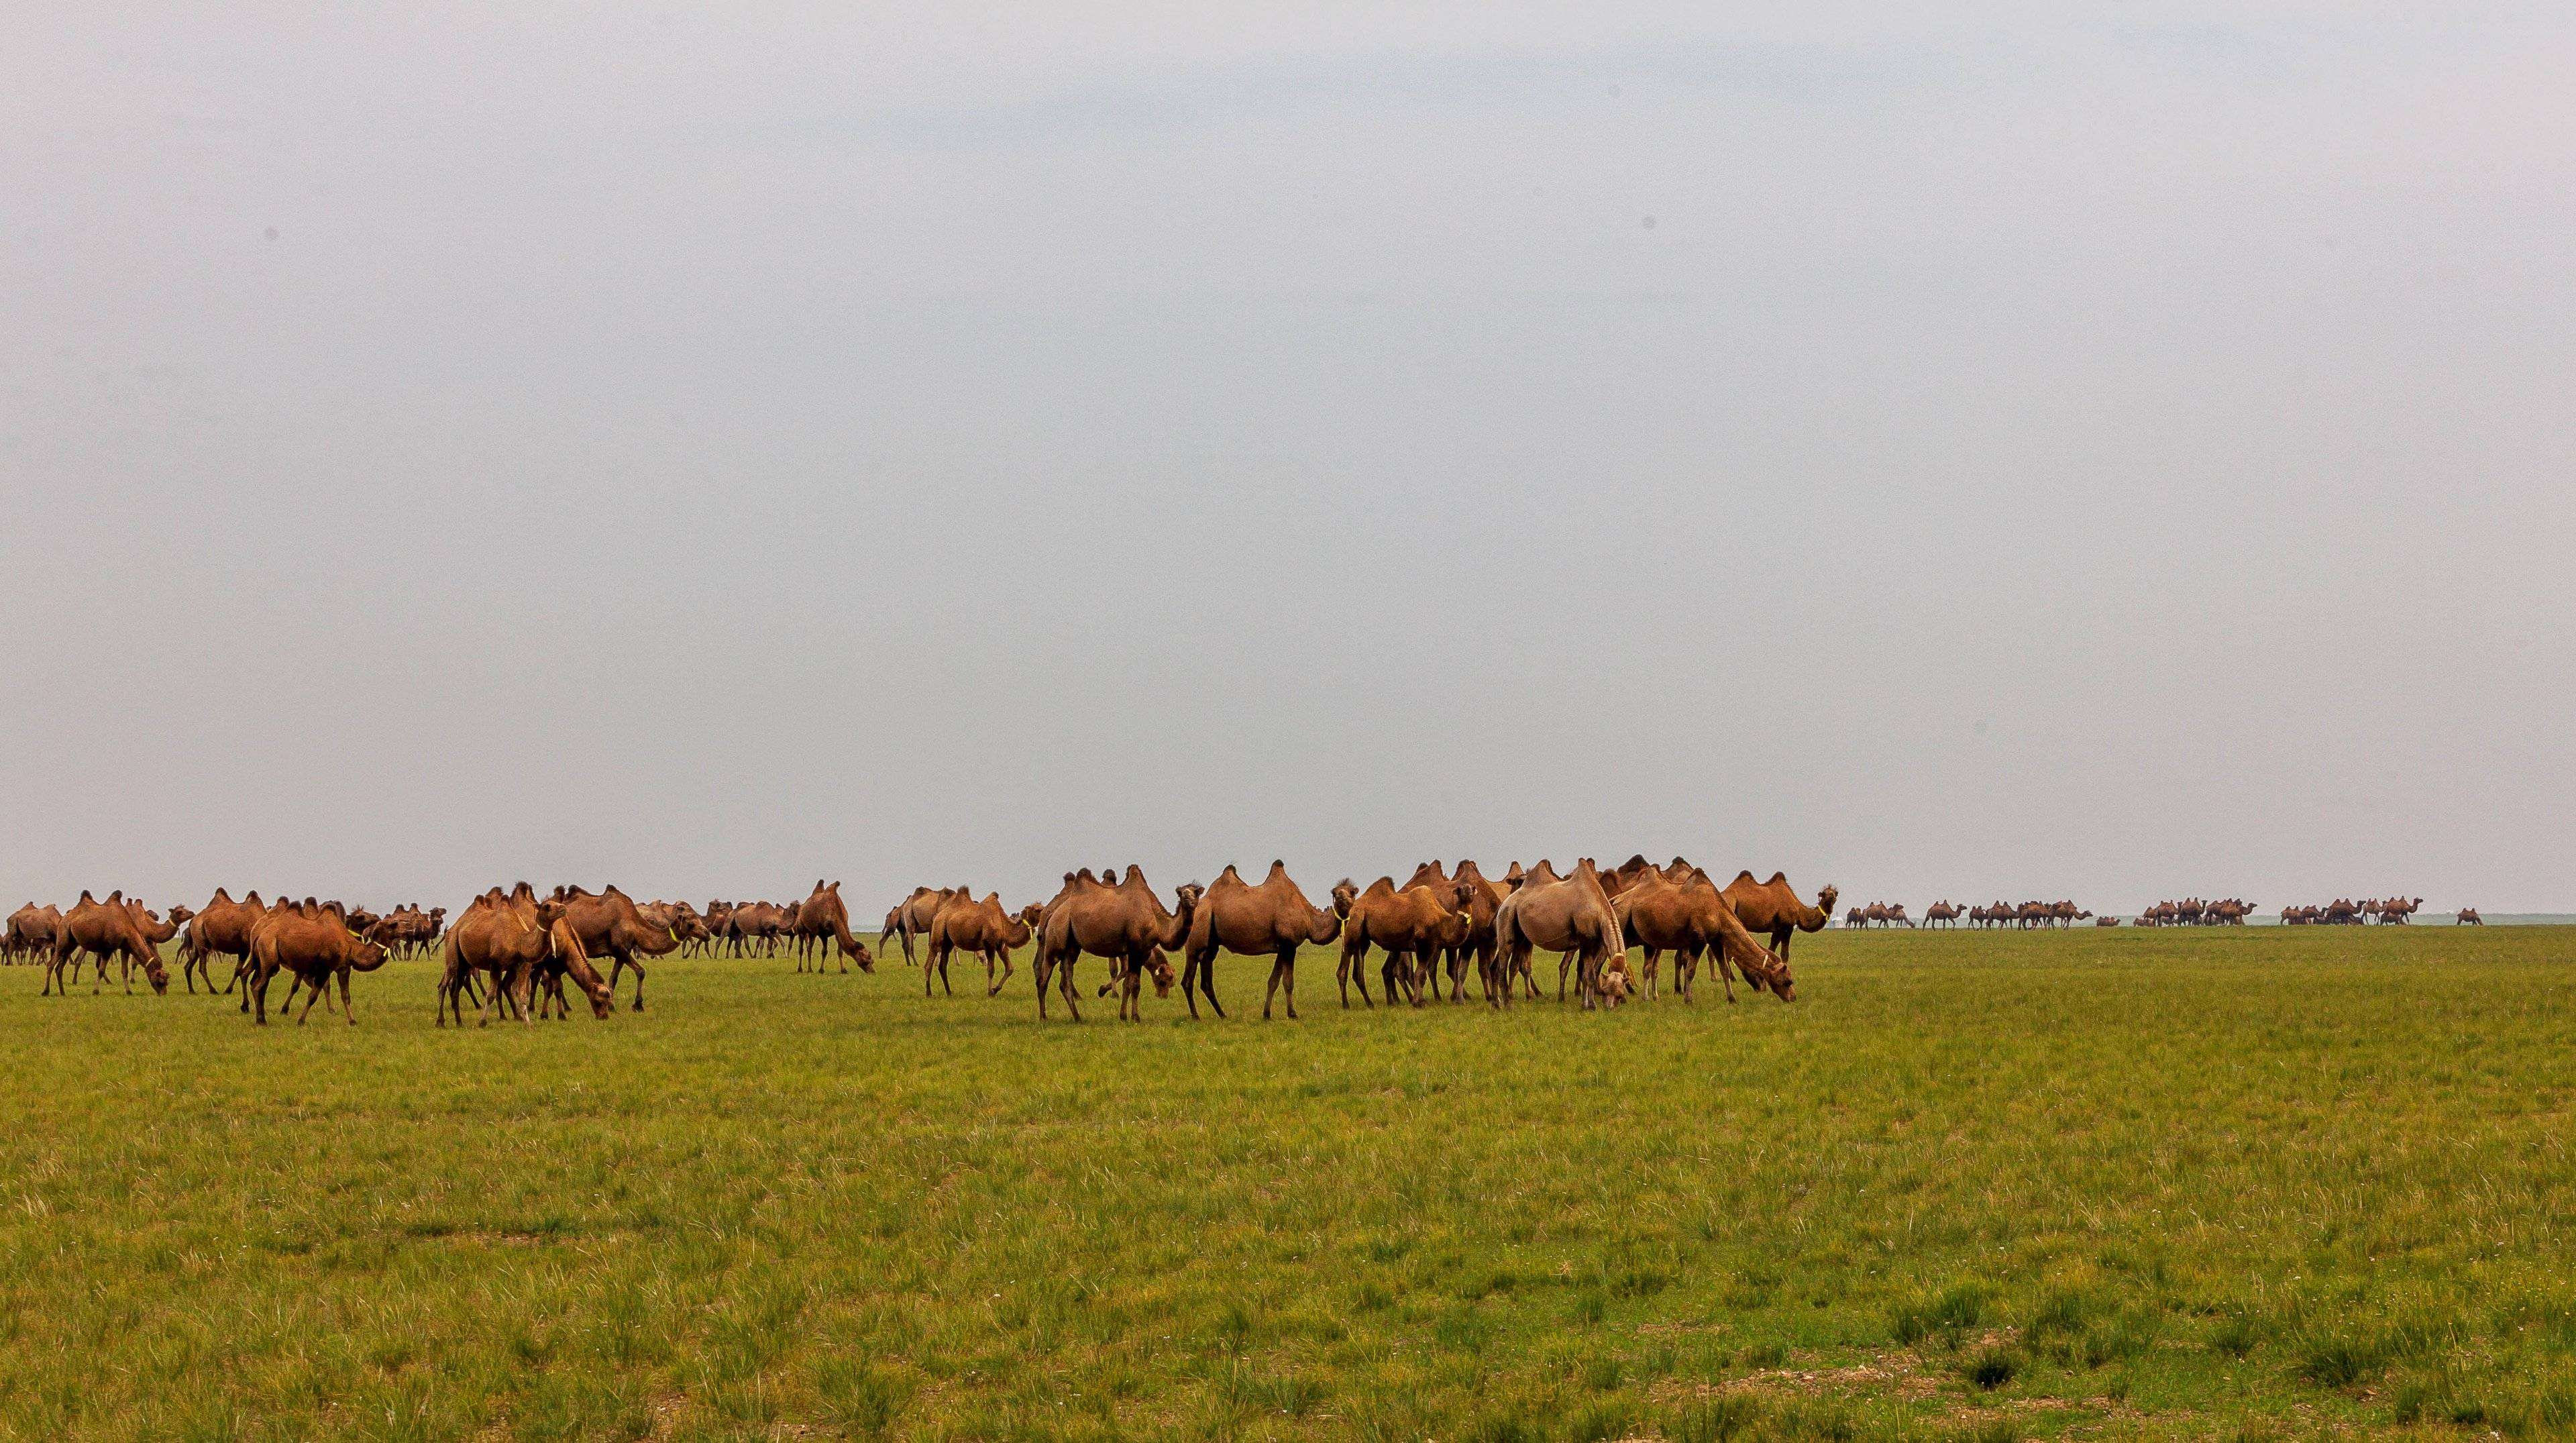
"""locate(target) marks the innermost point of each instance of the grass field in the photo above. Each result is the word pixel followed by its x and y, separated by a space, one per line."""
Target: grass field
pixel 2259 1184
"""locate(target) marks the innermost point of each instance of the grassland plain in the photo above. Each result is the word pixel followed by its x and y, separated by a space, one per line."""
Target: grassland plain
pixel 2276 1183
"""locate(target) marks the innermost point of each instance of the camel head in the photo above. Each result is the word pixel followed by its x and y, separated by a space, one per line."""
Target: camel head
pixel 156 974
pixel 1825 899
pixel 1159 967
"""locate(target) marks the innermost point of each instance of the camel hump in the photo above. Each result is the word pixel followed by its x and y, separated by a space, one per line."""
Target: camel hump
pixel 1776 878
pixel 1277 865
pixel 85 896
pixel 113 897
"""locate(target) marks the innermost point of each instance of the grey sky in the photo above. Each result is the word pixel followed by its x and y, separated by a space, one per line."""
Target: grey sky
pixel 2107 451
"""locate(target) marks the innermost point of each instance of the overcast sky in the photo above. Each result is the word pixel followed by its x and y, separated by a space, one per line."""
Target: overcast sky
pixel 2107 451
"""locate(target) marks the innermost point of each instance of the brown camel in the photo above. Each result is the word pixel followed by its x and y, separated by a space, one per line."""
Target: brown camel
pixel 1477 945
pixel 1772 909
pixel 1272 920
pixel 222 929
pixel 1413 925
pixel 1943 913
pixel 2469 918
pixel 1569 916
pixel 1690 918
pixel 609 926
pixel 912 917
pixel 313 947
pixel 31 933
pixel 1122 921
pixel 515 940
pixel 821 923
pixel 103 930
pixel 982 928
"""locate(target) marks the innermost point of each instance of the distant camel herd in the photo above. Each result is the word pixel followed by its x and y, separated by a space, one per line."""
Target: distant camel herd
pixel 514 950
pixel 2189 912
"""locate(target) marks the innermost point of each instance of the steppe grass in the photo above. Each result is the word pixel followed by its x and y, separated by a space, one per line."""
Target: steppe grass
pixel 2258 1184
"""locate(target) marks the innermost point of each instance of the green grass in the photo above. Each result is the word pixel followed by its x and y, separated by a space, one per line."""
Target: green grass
pixel 2263 1184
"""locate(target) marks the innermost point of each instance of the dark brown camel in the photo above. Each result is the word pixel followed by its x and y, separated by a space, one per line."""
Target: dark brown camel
pixel 1272 920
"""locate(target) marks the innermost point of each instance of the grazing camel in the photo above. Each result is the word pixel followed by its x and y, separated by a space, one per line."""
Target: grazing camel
pixel 609 926
pixel 1122 921
pixel 982 928
pixel 2469 918
pixel 103 930
pixel 821 922
pixel 222 929
pixel 1272 920
pixel 1569 916
pixel 513 939
pixel 1772 909
pixel 1689 918
pixel 913 915
pixel 1412 925
pixel 314 947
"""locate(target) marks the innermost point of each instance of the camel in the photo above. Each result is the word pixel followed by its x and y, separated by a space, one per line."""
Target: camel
pixel 104 929
pixel 1772 908
pixel 1478 945
pixel 31 932
pixel 1569 916
pixel 314 947
pixel 913 915
pixel 1856 917
pixel 2469 917
pixel 821 921
pixel 2067 914
pixel 608 926
pixel 1688 918
pixel 1122 921
pixel 2395 911
pixel 763 923
pixel 1941 913
pixel 1271 920
pixel 512 938
pixel 982 928
pixel 2106 921
pixel 1413 926
pixel 223 928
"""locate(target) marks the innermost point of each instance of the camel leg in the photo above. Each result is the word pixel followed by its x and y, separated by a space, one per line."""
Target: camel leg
pixel 1207 980
pixel 259 999
pixel 318 989
pixel 1355 969
pixel 1282 969
pixel 1457 974
pixel 347 1013
pixel 996 986
pixel 639 987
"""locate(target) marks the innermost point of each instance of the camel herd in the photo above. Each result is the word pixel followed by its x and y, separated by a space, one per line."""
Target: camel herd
pixel 515 950
pixel 2189 912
